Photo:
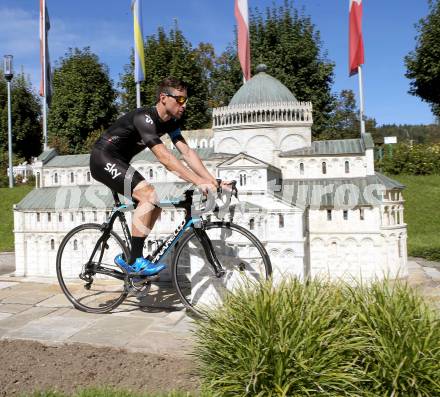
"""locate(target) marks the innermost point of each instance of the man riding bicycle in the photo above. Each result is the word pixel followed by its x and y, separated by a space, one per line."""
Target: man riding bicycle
pixel 129 135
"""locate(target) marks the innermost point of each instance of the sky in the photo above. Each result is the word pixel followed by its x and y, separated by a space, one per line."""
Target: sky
pixel 106 27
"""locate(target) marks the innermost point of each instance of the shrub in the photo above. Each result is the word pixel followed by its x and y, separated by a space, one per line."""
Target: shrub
pixel 4 180
pixel 30 180
pixel 289 340
pixel 429 253
pixel 403 339
pixel 18 179
pixel 411 160
pixel 305 339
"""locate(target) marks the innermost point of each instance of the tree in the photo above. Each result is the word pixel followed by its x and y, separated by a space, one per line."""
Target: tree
pixel 83 100
pixel 171 55
pixel 411 134
pixel 26 118
pixel 344 120
pixel 423 67
pixel 226 77
pixel 289 44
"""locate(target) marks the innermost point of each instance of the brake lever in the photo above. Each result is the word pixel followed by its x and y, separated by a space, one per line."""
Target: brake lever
pixel 234 189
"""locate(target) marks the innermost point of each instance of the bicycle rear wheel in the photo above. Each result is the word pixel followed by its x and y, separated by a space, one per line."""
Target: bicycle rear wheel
pixel 86 271
pixel 240 253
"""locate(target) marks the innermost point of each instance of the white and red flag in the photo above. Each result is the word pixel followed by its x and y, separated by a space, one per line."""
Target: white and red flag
pixel 356 42
pixel 244 47
pixel 46 81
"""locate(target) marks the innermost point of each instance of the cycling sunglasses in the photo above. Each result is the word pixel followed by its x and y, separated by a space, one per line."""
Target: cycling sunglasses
pixel 180 99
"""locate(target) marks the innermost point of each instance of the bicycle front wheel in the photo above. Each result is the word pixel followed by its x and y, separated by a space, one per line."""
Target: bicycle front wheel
pixel 241 256
pixel 86 270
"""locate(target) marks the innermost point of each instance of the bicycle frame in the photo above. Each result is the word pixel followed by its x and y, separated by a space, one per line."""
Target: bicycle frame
pixel 106 228
pixel 165 248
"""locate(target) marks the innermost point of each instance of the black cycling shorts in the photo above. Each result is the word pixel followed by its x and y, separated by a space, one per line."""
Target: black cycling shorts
pixel 114 171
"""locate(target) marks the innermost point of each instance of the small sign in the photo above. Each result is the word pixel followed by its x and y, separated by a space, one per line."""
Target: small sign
pixel 389 139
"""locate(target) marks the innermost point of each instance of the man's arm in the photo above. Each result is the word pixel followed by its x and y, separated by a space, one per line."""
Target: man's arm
pixel 174 165
pixel 193 160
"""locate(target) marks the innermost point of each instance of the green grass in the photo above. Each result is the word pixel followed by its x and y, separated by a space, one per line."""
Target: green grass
pixel 8 197
pixel 422 214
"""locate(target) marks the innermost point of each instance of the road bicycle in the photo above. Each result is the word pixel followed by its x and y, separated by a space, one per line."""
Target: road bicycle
pixel 209 259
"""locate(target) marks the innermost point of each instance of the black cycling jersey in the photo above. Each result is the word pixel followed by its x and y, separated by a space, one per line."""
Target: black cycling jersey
pixel 137 130
pixel 129 135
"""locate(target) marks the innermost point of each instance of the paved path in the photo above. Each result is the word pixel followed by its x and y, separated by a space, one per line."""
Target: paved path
pixel 36 309
pixel 7 262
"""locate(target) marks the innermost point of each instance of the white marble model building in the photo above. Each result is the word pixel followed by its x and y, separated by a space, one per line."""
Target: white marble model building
pixel 319 207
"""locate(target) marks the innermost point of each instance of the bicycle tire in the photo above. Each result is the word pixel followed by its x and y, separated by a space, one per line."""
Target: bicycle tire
pixel 192 273
pixel 105 292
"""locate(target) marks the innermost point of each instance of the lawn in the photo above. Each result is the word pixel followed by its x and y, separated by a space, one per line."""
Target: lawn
pixel 8 197
pixel 422 214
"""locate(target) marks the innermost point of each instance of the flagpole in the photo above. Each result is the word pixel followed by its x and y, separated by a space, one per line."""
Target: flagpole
pixel 361 101
pixel 138 94
pixel 241 11
pixel 44 79
pixel 139 60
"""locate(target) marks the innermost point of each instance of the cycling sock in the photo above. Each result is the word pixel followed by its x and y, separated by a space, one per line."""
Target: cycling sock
pixel 137 247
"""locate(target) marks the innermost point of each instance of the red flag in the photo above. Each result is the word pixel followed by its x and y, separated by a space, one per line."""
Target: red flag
pixel 356 54
pixel 244 50
pixel 44 53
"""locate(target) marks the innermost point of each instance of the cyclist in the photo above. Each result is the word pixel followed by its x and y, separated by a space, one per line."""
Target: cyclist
pixel 132 133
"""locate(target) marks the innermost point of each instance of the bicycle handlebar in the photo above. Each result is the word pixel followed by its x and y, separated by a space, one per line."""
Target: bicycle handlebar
pixel 233 187
pixel 188 201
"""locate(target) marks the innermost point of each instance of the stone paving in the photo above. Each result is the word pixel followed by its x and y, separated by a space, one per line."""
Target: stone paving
pixel 7 262
pixel 36 309
pixel 425 277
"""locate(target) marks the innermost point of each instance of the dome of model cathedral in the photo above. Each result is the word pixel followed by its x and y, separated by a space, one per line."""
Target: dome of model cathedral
pixel 268 117
pixel 262 88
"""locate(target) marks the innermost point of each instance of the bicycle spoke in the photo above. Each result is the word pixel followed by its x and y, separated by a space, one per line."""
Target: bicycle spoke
pixel 86 270
pixel 240 257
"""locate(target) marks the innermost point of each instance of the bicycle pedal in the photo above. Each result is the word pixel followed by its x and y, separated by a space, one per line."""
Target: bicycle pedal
pixel 140 282
pixel 156 277
pixel 140 289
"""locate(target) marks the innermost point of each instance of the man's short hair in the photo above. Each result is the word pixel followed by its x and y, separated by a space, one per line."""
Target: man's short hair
pixel 170 82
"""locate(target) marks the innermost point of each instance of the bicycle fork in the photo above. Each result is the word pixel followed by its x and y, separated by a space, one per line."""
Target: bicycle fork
pixel 209 251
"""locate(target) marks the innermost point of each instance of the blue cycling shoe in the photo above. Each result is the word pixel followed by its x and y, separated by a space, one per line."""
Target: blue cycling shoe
pixel 141 265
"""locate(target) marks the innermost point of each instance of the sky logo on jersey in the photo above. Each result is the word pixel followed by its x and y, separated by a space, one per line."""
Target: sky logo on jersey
pixel 111 168
pixel 148 119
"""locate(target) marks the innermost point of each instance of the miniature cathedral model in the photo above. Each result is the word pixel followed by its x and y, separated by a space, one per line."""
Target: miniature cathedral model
pixel 319 208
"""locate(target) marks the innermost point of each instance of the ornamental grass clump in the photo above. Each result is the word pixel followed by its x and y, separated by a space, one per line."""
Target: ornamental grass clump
pixel 403 338
pixel 320 338
pixel 293 339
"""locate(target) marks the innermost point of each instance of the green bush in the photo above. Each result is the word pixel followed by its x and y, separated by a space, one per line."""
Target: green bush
pixel 4 180
pixel 411 160
pixel 30 180
pixel 429 253
pixel 320 338
pixel 18 179
pixel 403 338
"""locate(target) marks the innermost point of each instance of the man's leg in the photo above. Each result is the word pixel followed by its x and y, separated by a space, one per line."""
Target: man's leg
pixel 144 217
